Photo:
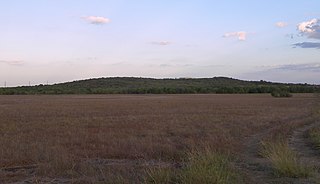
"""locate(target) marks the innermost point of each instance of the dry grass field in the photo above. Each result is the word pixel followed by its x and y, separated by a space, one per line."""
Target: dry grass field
pixel 140 138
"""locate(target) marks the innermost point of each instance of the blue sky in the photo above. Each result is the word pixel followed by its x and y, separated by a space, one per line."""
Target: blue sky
pixel 57 41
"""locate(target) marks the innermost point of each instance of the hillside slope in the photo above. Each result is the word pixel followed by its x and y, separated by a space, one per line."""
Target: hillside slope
pixel 131 85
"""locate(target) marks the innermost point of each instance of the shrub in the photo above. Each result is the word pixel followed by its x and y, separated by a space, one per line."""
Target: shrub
pixel 280 93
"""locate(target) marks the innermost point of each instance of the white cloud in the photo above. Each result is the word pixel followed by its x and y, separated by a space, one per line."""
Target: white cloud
pixel 310 28
pixel 241 35
pixel 97 20
pixel 281 24
pixel 307 27
pixel 163 43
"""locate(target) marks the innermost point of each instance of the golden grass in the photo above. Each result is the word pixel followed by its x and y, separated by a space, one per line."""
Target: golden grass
pixel 285 162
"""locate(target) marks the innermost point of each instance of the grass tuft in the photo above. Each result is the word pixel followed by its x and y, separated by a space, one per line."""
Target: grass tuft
pixel 314 135
pixel 285 162
pixel 209 167
pixel 202 167
pixel 160 176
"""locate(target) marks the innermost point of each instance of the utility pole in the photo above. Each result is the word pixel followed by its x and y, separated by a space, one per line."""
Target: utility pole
pixel 29 83
pixel 5 84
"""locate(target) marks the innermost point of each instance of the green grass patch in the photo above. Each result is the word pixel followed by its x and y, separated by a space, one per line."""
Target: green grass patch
pixel 204 168
pixel 209 167
pixel 285 162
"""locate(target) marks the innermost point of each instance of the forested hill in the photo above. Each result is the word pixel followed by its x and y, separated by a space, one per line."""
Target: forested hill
pixel 131 85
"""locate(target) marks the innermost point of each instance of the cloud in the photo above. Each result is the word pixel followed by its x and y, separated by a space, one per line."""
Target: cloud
pixel 97 20
pixel 241 35
pixel 310 28
pixel 308 45
pixel 281 24
pixel 12 62
pixel 162 43
pixel 311 67
pixel 165 65
pixel 296 73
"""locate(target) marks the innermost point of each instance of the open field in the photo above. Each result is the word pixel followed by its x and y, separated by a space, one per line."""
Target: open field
pixel 132 138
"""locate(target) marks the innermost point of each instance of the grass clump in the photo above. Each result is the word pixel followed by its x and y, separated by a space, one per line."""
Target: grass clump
pixel 160 176
pixel 209 167
pixel 314 135
pixel 285 162
pixel 204 168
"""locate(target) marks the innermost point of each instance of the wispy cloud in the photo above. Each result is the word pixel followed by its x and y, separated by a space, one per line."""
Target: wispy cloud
pixel 311 67
pixel 296 73
pixel 165 65
pixel 241 35
pixel 162 43
pixel 282 24
pixel 310 28
pixel 13 62
pixel 96 20
pixel 308 45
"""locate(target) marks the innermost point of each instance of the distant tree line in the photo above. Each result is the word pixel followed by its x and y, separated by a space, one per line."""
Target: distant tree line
pixel 217 85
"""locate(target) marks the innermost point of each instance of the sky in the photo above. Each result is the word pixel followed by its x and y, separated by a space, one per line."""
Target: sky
pixel 53 41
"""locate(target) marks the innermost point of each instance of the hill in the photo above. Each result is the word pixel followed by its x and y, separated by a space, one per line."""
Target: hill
pixel 132 85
